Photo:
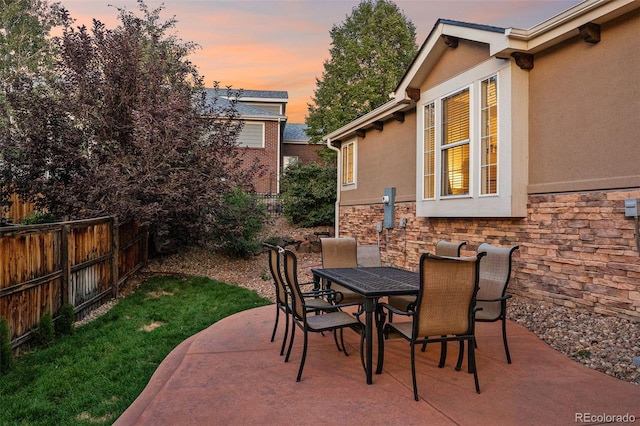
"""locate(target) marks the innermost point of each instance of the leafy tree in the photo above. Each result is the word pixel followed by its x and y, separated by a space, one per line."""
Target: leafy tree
pixel 370 52
pixel 24 27
pixel 309 194
pixel 125 128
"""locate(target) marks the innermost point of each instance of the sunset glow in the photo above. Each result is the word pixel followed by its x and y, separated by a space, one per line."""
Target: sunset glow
pixel 281 45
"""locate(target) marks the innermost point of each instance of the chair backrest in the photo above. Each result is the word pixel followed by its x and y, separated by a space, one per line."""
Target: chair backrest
pixel 495 272
pixel 276 273
pixel 449 248
pixel 291 278
pixel 446 298
pixel 368 255
pixel 339 252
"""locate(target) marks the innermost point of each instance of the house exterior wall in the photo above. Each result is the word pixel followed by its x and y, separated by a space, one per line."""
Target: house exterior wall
pixel 388 160
pixel 265 183
pixel 577 248
pixel 584 103
pixel 304 151
pixel 454 61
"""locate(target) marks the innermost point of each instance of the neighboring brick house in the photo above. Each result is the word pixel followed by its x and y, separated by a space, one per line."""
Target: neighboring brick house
pixel 511 136
pixel 268 137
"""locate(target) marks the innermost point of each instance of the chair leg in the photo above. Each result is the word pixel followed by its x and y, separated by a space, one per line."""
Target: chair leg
pixel 344 348
pixel 293 333
pixel 275 326
pixel 413 371
pixel 335 339
pixel 472 363
pixel 304 356
pixel 286 332
pixel 443 354
pixel 504 339
pixel 460 356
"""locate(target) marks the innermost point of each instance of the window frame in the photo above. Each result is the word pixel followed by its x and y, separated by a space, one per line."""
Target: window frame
pixel 507 201
pixel 343 163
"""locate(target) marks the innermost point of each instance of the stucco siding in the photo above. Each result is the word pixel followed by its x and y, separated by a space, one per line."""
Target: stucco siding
pixel 584 112
pixel 454 61
pixel 385 159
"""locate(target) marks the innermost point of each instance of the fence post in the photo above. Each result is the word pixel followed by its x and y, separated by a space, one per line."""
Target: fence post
pixel 115 257
pixel 65 231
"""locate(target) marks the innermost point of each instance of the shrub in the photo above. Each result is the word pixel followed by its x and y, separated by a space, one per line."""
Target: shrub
pixel 36 217
pixel 309 194
pixel 6 353
pixel 239 224
pixel 44 333
pixel 65 324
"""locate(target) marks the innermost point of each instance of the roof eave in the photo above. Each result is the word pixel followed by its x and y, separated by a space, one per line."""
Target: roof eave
pixel 382 113
pixel 562 26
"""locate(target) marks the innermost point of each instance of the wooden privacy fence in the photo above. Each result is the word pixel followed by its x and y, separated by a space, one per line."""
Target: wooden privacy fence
pixel 84 263
pixel 16 211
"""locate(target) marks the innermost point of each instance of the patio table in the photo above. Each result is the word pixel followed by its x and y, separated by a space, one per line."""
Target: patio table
pixel 372 284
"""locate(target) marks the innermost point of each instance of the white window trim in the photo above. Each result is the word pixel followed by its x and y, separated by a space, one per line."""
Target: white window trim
pixel 510 200
pixel 350 185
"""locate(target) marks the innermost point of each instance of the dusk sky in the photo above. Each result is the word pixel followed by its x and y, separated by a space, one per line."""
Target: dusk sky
pixel 281 45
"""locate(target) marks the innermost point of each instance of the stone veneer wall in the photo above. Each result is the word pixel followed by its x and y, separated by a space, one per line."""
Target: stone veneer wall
pixel 576 249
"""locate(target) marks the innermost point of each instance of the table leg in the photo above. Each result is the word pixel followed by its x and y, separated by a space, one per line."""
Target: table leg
pixel 369 308
pixel 381 318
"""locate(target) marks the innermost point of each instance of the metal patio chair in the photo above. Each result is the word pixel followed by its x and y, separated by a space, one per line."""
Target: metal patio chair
pixel 341 253
pixel 283 297
pixel 445 309
pixel 443 249
pixel 368 255
pixel 495 272
pixel 335 320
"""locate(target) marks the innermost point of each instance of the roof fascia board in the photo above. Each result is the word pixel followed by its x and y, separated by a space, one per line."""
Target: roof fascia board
pixel 564 25
pixel 367 119
pixel 263 117
pixel 265 100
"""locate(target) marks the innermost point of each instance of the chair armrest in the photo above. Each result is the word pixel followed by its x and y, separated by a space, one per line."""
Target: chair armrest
pixel 318 293
pixel 505 297
pixel 408 312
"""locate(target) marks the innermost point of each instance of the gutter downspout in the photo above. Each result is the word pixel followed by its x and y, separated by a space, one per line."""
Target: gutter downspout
pixel 278 162
pixel 336 227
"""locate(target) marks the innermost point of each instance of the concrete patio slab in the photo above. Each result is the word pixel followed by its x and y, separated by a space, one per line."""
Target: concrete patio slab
pixel 232 374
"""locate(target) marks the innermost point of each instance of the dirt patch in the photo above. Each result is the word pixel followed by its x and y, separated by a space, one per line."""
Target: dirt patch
pixel 152 326
pixel 159 293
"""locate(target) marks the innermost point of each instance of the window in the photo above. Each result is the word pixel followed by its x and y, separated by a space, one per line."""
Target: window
pixel 429 150
pixel 489 136
pixel 348 163
pixel 289 160
pixel 469 131
pixel 252 136
pixel 455 144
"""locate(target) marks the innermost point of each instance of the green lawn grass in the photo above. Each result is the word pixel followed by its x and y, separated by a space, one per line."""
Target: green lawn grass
pixel 92 376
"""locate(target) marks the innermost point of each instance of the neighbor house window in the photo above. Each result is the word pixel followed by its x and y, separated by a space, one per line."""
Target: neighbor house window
pixel 252 136
pixel 348 163
pixel 289 161
pixel 489 136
